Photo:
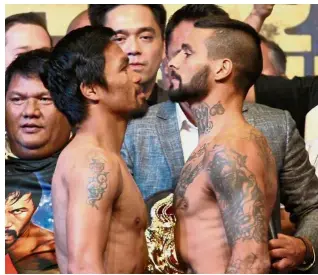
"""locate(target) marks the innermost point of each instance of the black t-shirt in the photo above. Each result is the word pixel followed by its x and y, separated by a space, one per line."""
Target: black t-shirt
pixel 298 95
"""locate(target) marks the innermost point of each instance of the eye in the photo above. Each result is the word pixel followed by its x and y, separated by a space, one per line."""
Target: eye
pixel 146 38
pixel 16 100
pixel 187 54
pixel 46 100
pixel 18 211
pixel 119 39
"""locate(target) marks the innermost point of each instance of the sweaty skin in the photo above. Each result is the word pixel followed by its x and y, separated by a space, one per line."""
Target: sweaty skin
pixel 100 209
pixel 225 197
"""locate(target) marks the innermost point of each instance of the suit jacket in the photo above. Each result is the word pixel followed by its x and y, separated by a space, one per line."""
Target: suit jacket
pixel 153 153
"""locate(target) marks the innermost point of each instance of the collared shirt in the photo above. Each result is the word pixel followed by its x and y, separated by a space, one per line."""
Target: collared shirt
pixel 188 133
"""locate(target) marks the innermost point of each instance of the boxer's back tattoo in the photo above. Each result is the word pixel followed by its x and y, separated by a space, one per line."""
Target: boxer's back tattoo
pixel 98 183
pixel 241 201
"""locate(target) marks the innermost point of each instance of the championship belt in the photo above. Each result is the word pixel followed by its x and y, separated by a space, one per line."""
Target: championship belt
pixel 162 258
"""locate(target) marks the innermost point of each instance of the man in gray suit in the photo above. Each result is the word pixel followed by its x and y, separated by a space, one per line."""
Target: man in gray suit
pixel 156 147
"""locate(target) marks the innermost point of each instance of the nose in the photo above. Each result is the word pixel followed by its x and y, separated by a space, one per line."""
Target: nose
pixel 174 63
pixel 132 47
pixel 31 108
pixel 8 222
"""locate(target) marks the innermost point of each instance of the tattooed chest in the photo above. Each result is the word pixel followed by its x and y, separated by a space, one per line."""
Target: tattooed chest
pixel 190 171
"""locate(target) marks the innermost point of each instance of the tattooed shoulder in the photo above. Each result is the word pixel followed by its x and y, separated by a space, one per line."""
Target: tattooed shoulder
pixel 97 181
pixel 241 201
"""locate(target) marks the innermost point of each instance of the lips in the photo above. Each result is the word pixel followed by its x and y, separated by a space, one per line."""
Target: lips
pixel 31 128
pixel 136 65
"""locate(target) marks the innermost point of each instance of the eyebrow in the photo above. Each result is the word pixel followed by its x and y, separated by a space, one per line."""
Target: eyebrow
pixel 22 48
pixel 138 31
pixel 42 93
pixel 186 47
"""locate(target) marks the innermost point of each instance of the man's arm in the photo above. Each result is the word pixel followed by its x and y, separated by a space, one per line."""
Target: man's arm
pixel 258 15
pixel 93 187
pixel 237 181
pixel 299 194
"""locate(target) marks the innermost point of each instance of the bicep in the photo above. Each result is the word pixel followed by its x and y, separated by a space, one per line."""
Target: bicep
pixel 90 198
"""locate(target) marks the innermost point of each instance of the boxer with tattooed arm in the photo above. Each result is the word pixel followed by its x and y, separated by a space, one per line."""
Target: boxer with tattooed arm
pixel 100 215
pixel 228 186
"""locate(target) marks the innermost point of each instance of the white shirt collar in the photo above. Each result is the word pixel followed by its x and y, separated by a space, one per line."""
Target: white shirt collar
pixel 182 118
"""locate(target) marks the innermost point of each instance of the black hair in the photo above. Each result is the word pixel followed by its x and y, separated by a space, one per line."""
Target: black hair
pixel 98 12
pixel 237 41
pixel 28 65
pixel 78 58
pixel 191 12
pixel 17 185
pixel 276 55
pixel 31 18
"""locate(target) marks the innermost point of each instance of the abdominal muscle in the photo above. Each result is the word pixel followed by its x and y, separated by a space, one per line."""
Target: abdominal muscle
pixel 200 237
pixel 126 252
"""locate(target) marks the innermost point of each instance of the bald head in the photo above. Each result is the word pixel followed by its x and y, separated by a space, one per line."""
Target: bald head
pixel 79 21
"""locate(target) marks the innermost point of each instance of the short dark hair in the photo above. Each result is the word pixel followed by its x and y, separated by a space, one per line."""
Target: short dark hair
pixel 97 14
pixel 31 18
pixel 28 65
pixel 77 58
pixel 276 55
pixel 191 12
pixel 237 41
pixel 18 184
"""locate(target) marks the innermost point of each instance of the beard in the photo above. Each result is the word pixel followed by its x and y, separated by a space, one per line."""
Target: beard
pixel 196 90
pixel 14 236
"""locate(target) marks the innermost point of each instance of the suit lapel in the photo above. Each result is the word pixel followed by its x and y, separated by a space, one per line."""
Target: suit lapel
pixel 169 138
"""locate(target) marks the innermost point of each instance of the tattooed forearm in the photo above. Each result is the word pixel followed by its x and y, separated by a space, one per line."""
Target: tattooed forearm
pixel 241 201
pixel 203 115
pixel 249 264
pixel 97 184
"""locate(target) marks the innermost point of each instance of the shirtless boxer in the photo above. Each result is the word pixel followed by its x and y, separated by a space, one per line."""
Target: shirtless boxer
pixel 228 186
pixel 100 216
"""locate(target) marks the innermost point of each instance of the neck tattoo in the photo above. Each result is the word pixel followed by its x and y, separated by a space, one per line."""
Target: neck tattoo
pixel 203 114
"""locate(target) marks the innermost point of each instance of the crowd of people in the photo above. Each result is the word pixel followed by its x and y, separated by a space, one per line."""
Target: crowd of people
pixel 108 171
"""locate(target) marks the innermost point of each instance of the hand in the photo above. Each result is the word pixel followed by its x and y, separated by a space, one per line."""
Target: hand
pixel 262 10
pixel 289 251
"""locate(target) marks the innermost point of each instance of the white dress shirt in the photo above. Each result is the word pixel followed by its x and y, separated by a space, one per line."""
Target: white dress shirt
pixel 188 133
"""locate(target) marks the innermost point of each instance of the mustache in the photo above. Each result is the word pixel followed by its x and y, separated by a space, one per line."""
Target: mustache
pixel 173 74
pixel 11 232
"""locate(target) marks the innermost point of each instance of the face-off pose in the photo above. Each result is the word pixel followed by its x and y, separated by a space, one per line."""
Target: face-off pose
pixel 100 216
pixel 224 188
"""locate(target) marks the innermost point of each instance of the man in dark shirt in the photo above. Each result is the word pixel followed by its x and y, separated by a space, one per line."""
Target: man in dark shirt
pixel 140 37
pixel 36 133
pixel 297 95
